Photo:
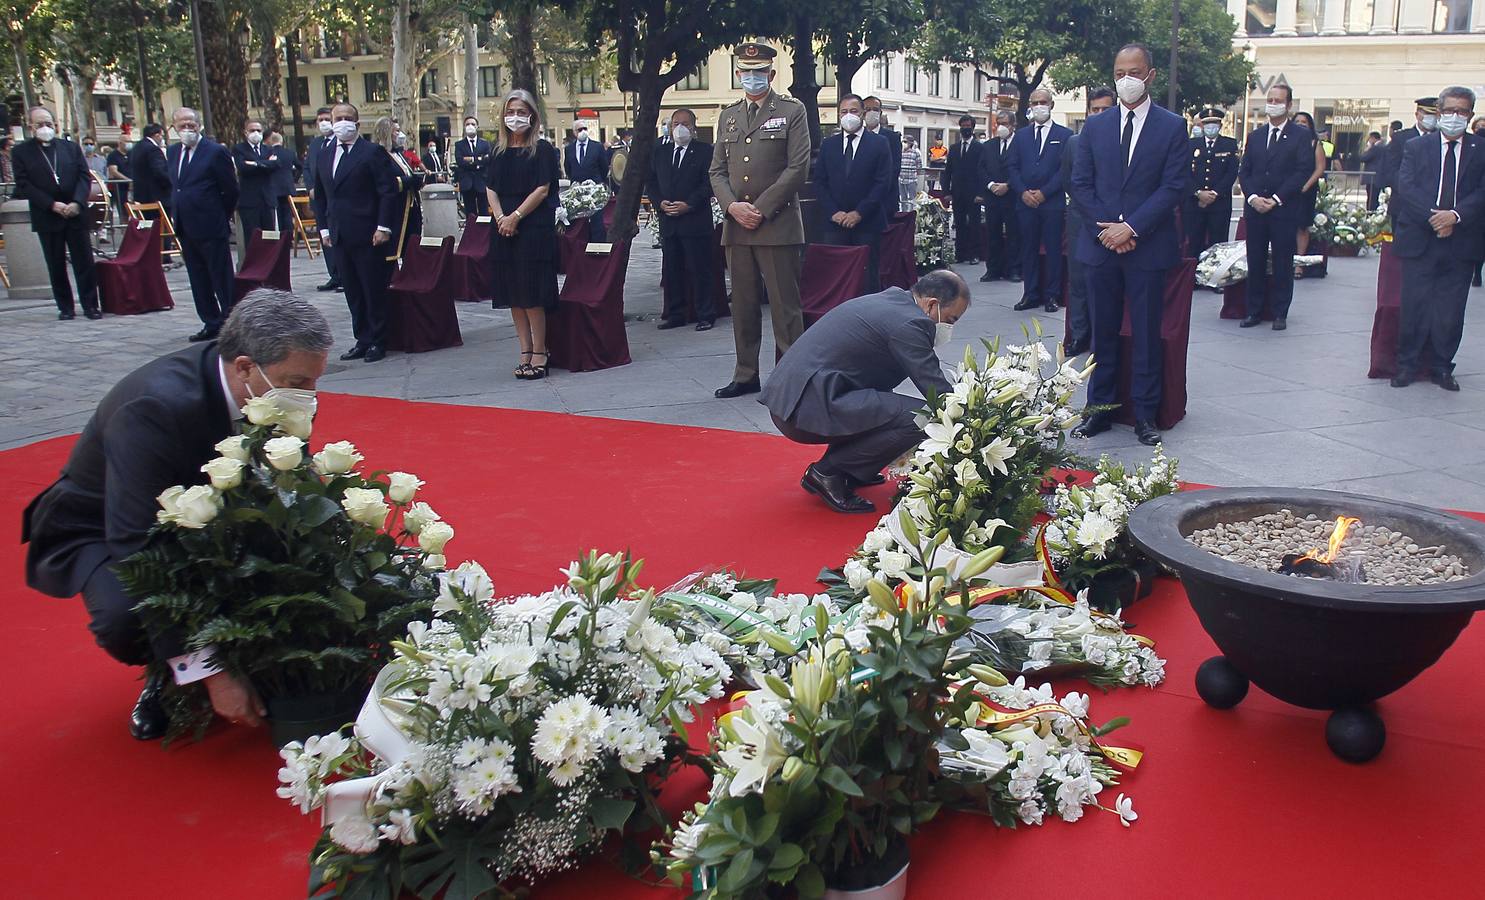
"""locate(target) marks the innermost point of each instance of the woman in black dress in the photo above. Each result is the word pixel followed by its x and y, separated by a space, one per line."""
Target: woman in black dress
pixel 1311 190
pixel 522 188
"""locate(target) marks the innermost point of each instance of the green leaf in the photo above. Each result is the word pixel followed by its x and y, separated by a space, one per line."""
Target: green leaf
pixel 315 510
pixel 809 882
pixel 786 857
pixel 737 872
pixel 611 814
pixel 837 778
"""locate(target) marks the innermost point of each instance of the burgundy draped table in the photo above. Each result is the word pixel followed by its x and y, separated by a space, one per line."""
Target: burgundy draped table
pixel 1385 322
pixel 898 257
pixel 266 264
pixel 133 281
pixel 1235 296
pixel 587 331
pixel 1175 332
pixel 831 276
pixel 720 305
pixel 420 300
pixel 571 242
pixel 471 275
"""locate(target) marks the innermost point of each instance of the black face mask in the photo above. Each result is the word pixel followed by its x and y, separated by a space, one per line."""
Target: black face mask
pixel 967 132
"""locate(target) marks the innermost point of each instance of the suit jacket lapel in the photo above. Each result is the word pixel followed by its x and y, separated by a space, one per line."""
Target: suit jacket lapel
pixel 345 164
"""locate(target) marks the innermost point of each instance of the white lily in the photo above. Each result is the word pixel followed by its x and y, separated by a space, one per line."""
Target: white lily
pixel 754 759
pixel 996 453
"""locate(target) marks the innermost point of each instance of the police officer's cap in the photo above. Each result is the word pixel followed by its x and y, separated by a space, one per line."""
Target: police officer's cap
pixel 1428 104
pixel 1211 114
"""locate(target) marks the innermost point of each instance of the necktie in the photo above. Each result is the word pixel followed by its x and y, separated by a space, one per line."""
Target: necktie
pixel 258 150
pixel 677 161
pixel 1273 137
pixel 581 145
pixel 1446 190
pixel 850 151
pixel 339 155
pixel 752 111
pixel 1038 136
pixel 1126 142
pixel 185 160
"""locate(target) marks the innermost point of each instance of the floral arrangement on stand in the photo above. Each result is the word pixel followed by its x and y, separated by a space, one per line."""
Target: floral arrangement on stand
pixel 933 245
pixel 581 199
pixel 295 570
pixel 1343 223
pixel 506 739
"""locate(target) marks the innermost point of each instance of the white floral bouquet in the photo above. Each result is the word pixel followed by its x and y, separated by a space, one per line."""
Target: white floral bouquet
pixel 505 739
pixel 653 224
pixel 1342 223
pixel 1042 629
pixel 1086 535
pixel 933 245
pixel 581 199
pixel 1222 264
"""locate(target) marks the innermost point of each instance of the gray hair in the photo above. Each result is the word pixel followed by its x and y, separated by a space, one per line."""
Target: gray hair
pixel 942 285
pixel 385 134
pixel 1460 91
pixel 269 324
pixel 185 112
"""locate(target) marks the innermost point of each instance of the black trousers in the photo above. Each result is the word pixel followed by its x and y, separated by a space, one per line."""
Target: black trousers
pixel 836 236
pixel 209 268
pixel 866 453
pixel 112 620
pixel 256 217
pixel 56 246
pixel 1079 325
pixel 1435 287
pixel 365 271
pixel 330 266
pixel 1205 227
pixel 1003 247
pixel 1041 228
pixel 1270 240
pixel 1111 287
pixel 966 215
pixel 686 262
pixel 475 202
pixel 285 217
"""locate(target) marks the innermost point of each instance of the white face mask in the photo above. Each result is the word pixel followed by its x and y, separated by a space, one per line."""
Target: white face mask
pixel 326 127
pixel 753 83
pixel 471 130
pixel 1131 90
pixel 942 333
pixel 45 134
pixel 189 136
pixel 255 137
pixel 1040 114
pixel 290 400
pixel 401 139
pixel 582 135
pixel 850 123
pixel 1430 122
pixel 1211 130
pixel 1002 132
pixel 681 135
pixel 518 124
pixel 1275 110
pixel 345 129
pixel 873 118
pixel 1453 124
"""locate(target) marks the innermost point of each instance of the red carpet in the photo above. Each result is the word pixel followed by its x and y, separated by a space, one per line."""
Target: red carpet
pixel 1245 803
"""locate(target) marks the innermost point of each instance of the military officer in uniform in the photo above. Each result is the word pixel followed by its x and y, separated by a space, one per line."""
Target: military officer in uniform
pixel 1214 167
pixel 761 159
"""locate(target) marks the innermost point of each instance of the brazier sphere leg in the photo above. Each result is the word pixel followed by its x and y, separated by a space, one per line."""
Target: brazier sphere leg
pixel 1355 733
pixel 1219 684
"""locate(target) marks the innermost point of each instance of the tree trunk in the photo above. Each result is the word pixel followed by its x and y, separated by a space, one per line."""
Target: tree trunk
pixel 291 54
pixel 82 86
pixel 471 71
pixel 272 81
pixel 522 55
pixel 846 67
pixel 404 100
pixel 641 147
pixel 23 69
pixel 225 50
pixel 804 88
pixel 142 66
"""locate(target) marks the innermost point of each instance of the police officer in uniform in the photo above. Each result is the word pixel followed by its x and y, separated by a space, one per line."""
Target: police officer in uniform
pixel 1207 212
pixel 760 161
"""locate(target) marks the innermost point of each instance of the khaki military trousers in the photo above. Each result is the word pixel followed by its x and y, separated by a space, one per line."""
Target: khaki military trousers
pixel 776 270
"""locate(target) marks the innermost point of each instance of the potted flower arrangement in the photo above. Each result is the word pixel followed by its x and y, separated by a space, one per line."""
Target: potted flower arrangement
pixel 581 200
pixel 933 246
pixel 505 740
pixel 1345 227
pixel 296 571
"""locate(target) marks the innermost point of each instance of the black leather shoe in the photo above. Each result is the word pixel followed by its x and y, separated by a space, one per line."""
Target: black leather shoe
pixel 1249 322
pixel 331 285
pixel 355 352
pixel 873 481
pixel 1147 433
pixel 148 720
pixel 205 334
pixel 1050 307
pixel 1075 348
pixel 1026 303
pixel 988 277
pixel 375 354
pixel 737 389
pixel 1446 381
pixel 69 316
pixel 1094 424
pixel 705 325
pixel 1401 380
pixel 1476 282
pixel 1014 276
pixel 1280 324
pixel 836 491
pixel 92 314
pixel 670 323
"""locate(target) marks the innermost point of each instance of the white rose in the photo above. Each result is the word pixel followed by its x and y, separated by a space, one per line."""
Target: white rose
pixel 434 535
pixel 356 834
pixel 857 574
pixel 877 539
pixel 295 423
pixel 225 472
pixel 403 486
pixel 893 563
pixel 365 506
pixel 261 411
pixel 966 473
pixel 169 501
pixel 197 506
pixel 284 453
pixel 433 562
pixel 234 447
pixel 337 458
pixel 418 516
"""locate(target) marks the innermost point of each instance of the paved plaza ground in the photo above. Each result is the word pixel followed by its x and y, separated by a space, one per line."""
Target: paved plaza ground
pixel 1281 408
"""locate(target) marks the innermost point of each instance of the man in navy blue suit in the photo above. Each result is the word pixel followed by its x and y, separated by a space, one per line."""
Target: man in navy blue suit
pixel 587 160
pixel 357 205
pixel 325 140
pixel 851 181
pixel 961 179
pixel 1276 163
pixel 871 118
pixel 1128 178
pixel 1002 231
pixel 680 188
pixel 471 155
pixel 257 207
pixel 1035 172
pixel 1438 202
pixel 203 196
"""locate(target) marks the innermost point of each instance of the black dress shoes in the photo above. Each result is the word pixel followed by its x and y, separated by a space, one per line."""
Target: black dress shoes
pixel 1147 433
pixel 1446 381
pixel 205 334
pixel 1026 303
pixel 873 481
pixel 1014 276
pixel 355 352
pixel 988 277
pixel 1075 348
pixel 704 325
pixel 1097 423
pixel 375 353
pixel 1280 324
pixel 1249 322
pixel 92 314
pixel 148 721
pixel 836 491
pixel 331 285
pixel 68 316
pixel 1401 380
pixel 671 323
pixel 737 389
pixel 1051 307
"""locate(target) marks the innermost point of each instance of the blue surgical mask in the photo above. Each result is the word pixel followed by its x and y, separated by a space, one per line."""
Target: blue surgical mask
pixel 754 82
pixel 1211 129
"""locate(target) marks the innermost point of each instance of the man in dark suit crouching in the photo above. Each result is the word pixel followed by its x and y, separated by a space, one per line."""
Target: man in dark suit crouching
pixel 834 386
pixel 155 429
